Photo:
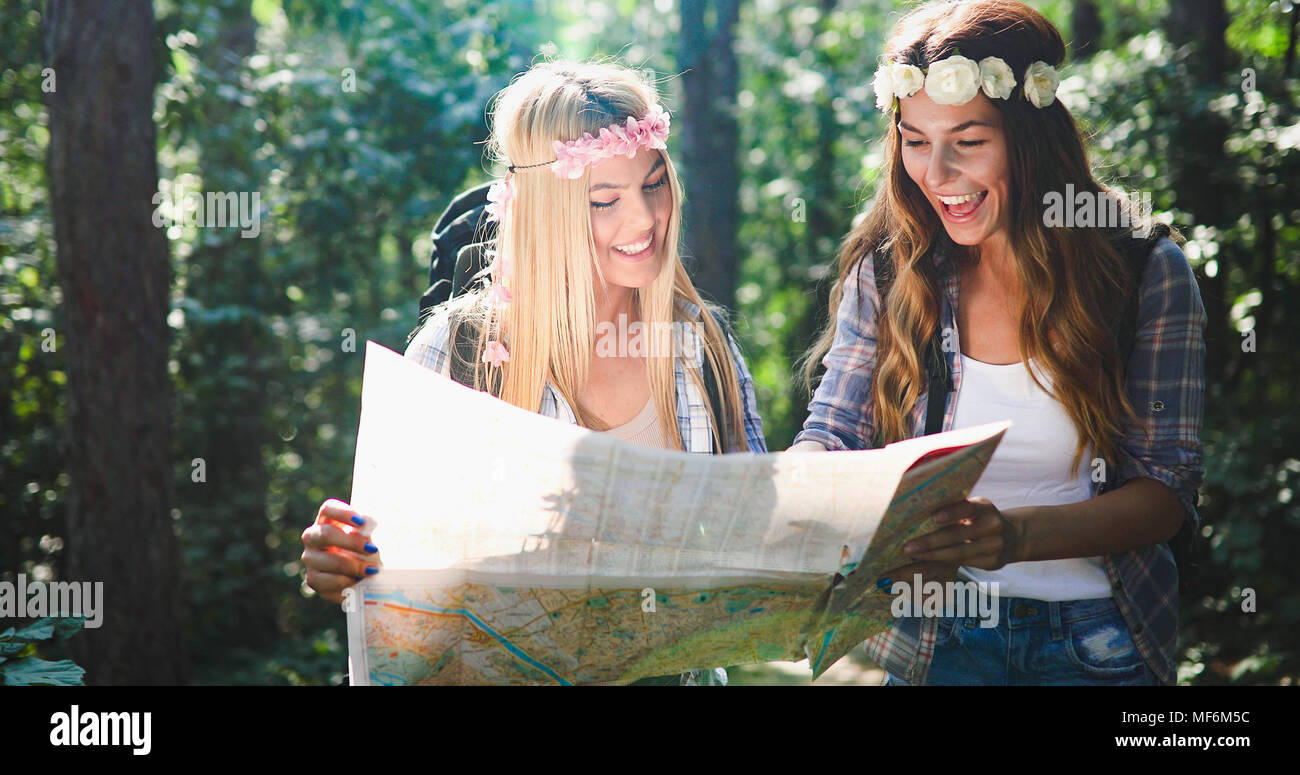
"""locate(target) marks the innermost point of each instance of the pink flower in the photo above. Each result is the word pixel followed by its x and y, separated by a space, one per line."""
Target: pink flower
pixel 569 161
pixel 640 135
pixel 617 142
pixel 614 140
pixel 499 196
pixel 496 353
pixel 501 295
pixel 655 124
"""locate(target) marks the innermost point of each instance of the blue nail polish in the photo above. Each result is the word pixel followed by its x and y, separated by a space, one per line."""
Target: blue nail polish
pixel 371 548
pixel 884 583
pixel 372 570
pixel 357 520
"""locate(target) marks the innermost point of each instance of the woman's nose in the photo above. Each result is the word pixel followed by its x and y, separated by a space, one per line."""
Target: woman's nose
pixel 642 212
pixel 940 170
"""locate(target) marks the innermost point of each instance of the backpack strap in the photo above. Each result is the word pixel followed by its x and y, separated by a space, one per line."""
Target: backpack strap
pixel 938 377
pixel 711 386
pixel 1136 252
pixel 939 380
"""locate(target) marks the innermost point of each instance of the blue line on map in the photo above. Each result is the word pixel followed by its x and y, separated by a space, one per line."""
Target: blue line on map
pixel 826 641
pixel 477 622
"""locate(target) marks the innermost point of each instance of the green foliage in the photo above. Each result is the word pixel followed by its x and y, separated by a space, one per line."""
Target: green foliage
pixel 32 335
pixel 356 123
pixel 1238 211
pixel 19 665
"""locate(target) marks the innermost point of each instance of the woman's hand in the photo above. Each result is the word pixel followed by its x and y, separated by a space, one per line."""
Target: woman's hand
pixel 975 534
pixel 335 551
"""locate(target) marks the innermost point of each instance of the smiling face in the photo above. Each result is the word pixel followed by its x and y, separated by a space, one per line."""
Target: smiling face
pixel 957 156
pixel 631 201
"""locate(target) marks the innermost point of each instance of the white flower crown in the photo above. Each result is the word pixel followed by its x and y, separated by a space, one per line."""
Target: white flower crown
pixel 956 80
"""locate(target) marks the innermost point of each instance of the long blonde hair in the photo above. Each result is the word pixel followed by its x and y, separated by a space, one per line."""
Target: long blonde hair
pixel 550 326
pixel 1075 282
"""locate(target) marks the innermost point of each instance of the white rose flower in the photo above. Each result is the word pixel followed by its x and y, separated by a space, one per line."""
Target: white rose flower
pixel 894 79
pixel 953 81
pixel 996 78
pixel 884 86
pixel 908 80
pixel 1041 81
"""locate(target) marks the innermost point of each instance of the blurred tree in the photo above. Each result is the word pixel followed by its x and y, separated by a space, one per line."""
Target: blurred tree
pixel 113 269
pixel 1085 28
pixel 709 77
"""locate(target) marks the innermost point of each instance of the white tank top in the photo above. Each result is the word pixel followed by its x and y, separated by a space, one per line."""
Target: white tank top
pixel 1031 467
pixel 643 429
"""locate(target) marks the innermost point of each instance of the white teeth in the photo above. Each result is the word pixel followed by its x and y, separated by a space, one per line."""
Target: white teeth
pixel 632 250
pixel 956 200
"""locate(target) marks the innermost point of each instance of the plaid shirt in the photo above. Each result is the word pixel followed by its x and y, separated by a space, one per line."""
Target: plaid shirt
pixel 430 348
pixel 1165 380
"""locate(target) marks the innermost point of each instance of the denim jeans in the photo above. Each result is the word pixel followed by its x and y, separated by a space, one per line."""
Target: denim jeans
pixel 1071 642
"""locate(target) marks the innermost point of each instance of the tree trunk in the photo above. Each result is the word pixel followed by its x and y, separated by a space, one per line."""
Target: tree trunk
pixel 1201 23
pixel 115 276
pixel 707 60
pixel 1085 30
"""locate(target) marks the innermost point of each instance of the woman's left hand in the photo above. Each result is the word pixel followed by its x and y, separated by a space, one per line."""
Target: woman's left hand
pixel 974 533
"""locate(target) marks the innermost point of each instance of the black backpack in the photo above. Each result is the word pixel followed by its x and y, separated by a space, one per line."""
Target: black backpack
pixel 461 238
pixel 1188 545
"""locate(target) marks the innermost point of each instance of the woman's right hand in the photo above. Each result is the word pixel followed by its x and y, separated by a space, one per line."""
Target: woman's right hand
pixel 335 558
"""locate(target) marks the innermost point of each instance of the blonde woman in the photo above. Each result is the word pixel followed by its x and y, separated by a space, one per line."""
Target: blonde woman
pixel 1102 462
pixel 586 313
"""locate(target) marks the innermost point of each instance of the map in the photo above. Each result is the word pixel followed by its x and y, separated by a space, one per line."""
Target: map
pixel 519 549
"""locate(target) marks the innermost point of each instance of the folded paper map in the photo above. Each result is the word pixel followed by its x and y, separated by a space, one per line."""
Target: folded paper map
pixel 519 549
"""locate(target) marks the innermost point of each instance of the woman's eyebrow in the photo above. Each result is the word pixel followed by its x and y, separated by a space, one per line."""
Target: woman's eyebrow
pixel 954 130
pixel 602 186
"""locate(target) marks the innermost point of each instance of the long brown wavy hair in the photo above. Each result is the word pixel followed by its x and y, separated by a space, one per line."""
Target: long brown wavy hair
pixel 1075 280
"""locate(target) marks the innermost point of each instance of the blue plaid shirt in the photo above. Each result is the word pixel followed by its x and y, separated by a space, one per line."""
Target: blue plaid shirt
pixel 1165 383
pixel 431 348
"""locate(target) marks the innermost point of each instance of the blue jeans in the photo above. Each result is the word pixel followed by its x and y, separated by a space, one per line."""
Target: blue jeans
pixel 1071 642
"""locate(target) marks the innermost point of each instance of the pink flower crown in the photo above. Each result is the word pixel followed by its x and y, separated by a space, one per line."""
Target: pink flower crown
pixel 571 159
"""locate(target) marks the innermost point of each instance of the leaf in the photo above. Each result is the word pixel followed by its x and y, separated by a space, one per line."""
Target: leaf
pixel 10 649
pixel 67 626
pixel 51 627
pixel 42 629
pixel 31 671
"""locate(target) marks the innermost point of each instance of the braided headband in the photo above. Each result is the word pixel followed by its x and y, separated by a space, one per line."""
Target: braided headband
pixel 571 158
pixel 956 80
